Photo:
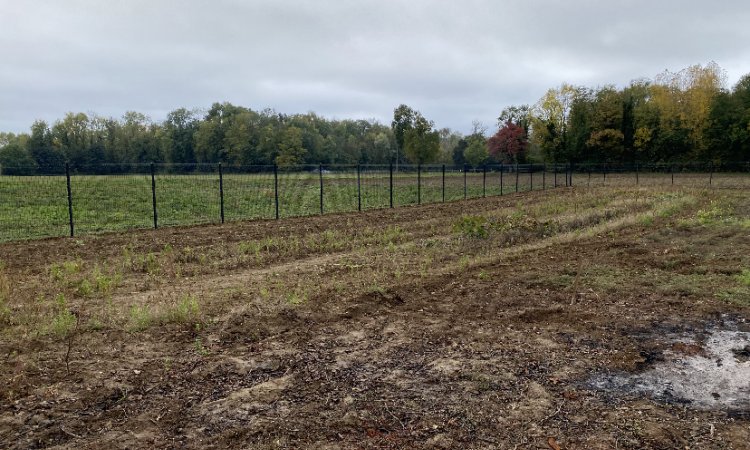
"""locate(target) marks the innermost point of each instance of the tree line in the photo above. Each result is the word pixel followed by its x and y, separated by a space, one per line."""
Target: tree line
pixel 683 116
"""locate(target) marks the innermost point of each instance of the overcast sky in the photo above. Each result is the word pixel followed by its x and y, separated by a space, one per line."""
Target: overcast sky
pixel 455 61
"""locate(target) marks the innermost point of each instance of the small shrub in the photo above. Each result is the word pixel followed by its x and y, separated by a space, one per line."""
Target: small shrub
pixel 477 227
pixel 63 324
pixel 105 283
pixel 64 321
pixel 150 264
pixel 84 288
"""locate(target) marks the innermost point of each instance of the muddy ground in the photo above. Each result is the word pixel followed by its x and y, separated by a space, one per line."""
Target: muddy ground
pixel 488 323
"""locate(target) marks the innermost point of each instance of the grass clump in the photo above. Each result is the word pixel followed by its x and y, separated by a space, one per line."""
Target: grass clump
pixel 646 220
pixel 744 277
pixel 474 227
pixel 296 298
pixel 65 271
pixel 140 318
pixel 104 283
pixel 72 276
pixel 716 213
pixel 186 310
pixel 391 235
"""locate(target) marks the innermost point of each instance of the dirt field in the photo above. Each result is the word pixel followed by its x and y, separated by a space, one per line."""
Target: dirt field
pixel 506 322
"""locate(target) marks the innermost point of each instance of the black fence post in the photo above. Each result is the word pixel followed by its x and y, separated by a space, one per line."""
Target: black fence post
pixel 589 183
pixel 484 181
pixel 531 177
pixel 359 189
pixel 276 188
pixel 604 170
pixel 555 169
pixel 390 183
pixel 544 177
pixel 465 194
pixel 671 170
pixel 501 179
pixel 320 175
pixel 70 198
pixel 443 183
pixel 153 195
pixel 571 174
pixel 419 184
pixel 711 175
pixel 516 177
pixel 221 192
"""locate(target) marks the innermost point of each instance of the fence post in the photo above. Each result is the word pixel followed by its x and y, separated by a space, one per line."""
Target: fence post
pixel 711 175
pixel 276 188
pixel 484 181
pixel 671 171
pixel 443 183
pixel 604 170
pixel 320 175
pixel 555 169
pixel 531 177
pixel 571 174
pixel 153 195
pixel 464 181
pixel 359 189
pixel 390 190
pixel 221 192
pixel 501 179
pixel 544 177
pixel 419 184
pixel 70 198
pixel 516 177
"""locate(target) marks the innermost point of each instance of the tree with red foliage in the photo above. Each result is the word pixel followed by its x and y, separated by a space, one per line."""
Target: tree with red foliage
pixel 509 143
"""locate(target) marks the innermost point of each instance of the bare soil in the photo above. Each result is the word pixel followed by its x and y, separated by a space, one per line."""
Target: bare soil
pixel 385 329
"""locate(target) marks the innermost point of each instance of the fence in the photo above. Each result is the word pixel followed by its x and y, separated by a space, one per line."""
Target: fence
pixel 82 201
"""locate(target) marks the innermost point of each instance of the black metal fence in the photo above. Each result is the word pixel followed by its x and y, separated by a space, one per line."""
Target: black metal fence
pixel 90 199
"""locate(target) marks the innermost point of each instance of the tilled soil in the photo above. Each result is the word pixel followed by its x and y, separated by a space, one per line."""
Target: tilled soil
pixel 492 352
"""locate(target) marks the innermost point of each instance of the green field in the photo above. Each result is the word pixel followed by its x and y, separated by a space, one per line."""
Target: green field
pixel 37 206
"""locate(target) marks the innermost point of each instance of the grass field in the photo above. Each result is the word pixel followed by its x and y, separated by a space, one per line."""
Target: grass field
pixel 34 207
pixel 486 323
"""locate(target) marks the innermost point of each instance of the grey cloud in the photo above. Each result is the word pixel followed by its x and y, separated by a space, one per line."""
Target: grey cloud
pixel 455 61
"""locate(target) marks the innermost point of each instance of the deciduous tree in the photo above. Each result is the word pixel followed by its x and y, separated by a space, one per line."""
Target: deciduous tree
pixel 509 144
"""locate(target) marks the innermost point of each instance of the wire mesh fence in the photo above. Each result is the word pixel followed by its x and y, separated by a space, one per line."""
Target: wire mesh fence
pixel 91 199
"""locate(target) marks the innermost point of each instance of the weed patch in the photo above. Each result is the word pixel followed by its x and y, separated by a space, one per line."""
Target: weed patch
pixel 140 318
pixel 186 310
pixel 474 227
pixel 744 277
